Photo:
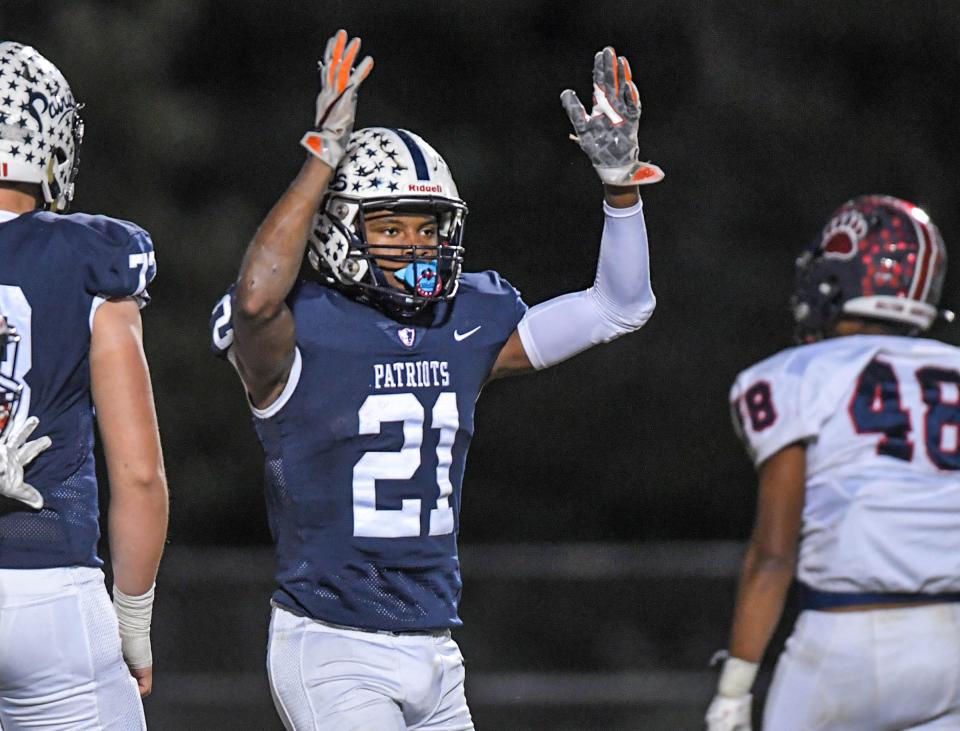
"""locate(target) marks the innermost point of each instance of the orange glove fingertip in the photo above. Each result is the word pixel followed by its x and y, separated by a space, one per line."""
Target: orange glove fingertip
pixel 339 43
pixel 345 67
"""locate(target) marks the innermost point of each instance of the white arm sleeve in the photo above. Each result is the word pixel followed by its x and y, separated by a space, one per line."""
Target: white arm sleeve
pixel 620 301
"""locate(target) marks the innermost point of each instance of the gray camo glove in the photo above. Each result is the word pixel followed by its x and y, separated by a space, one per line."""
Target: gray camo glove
pixel 609 133
pixel 337 100
pixel 15 454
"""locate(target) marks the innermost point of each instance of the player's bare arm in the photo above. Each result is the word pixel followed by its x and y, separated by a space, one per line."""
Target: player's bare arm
pixel 263 324
pixel 621 300
pixel 263 349
pixel 127 420
pixel 771 557
pixel 765 578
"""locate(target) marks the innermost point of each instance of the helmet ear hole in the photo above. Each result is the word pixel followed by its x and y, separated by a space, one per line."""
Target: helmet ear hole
pixel 355 268
pixel 333 244
pixel 829 287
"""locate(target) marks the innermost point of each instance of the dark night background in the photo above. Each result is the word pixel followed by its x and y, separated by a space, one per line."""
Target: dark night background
pixel 765 117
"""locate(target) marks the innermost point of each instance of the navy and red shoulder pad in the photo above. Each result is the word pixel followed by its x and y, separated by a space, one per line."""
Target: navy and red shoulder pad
pixel 116 257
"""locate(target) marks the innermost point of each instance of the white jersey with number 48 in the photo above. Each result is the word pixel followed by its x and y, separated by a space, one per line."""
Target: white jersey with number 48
pixel 880 416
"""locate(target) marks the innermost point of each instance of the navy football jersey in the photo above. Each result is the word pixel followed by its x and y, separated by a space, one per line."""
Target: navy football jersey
pixel 54 272
pixel 365 451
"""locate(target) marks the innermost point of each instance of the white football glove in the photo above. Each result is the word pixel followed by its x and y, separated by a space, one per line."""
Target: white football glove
pixel 337 100
pixel 609 134
pixel 15 454
pixel 729 714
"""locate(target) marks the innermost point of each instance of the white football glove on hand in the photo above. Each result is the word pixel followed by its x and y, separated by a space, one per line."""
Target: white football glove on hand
pixel 609 134
pixel 15 454
pixel 729 714
pixel 337 100
pixel 730 709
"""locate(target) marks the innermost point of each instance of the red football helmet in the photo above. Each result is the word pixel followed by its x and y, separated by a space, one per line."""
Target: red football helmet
pixel 878 257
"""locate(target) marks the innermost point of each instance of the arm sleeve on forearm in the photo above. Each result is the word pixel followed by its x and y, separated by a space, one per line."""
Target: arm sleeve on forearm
pixel 621 299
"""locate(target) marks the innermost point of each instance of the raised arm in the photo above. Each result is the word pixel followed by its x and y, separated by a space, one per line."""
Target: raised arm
pixel 765 578
pixel 263 348
pixel 137 517
pixel 262 322
pixel 621 299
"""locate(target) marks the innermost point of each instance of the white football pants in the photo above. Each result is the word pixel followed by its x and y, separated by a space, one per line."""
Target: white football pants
pixel 883 670
pixel 60 661
pixel 329 679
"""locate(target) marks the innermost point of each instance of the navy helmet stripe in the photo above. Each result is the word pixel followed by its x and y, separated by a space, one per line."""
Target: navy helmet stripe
pixel 419 162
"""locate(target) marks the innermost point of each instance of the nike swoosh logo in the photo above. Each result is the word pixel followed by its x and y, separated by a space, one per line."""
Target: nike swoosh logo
pixel 463 336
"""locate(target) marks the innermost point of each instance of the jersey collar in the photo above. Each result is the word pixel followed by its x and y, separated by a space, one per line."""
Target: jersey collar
pixel 7 216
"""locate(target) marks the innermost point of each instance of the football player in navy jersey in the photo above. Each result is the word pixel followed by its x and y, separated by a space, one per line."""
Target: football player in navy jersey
pixel 71 289
pixel 855 434
pixel 362 370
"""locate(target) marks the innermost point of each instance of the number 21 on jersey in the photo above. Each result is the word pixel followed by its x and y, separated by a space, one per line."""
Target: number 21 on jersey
pixel 370 522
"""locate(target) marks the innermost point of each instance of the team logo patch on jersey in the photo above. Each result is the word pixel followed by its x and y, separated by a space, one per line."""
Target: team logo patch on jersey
pixel 407 336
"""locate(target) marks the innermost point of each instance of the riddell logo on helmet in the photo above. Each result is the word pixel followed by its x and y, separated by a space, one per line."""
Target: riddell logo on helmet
pixel 424 188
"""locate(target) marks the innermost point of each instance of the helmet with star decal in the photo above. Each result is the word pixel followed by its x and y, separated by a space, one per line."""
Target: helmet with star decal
pixel 397 171
pixel 40 129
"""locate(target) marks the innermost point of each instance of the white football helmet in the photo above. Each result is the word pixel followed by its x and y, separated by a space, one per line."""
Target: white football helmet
pixel 389 169
pixel 40 130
